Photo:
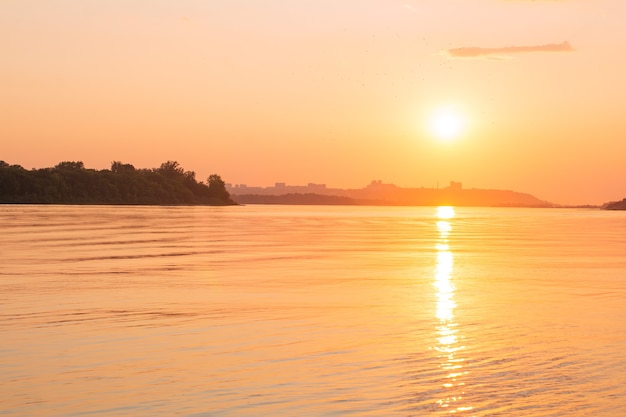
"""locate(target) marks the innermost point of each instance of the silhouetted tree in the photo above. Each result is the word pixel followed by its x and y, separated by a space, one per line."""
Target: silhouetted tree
pixel 190 176
pixel 217 187
pixel 117 166
pixel 171 169
pixel 70 165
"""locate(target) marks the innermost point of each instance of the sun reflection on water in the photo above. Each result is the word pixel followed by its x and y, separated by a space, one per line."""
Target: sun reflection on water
pixel 445 212
pixel 449 344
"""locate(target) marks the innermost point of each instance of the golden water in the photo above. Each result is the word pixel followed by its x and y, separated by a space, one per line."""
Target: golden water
pixel 311 311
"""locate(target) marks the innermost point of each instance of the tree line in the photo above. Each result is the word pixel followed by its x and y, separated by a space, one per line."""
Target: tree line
pixel 616 205
pixel 69 182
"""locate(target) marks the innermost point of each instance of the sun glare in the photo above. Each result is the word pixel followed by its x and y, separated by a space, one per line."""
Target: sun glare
pixel 445 212
pixel 447 123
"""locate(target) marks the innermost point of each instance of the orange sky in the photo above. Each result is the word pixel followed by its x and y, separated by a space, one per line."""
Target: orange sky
pixel 335 92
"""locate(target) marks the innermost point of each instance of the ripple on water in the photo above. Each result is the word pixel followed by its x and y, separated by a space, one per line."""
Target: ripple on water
pixel 243 311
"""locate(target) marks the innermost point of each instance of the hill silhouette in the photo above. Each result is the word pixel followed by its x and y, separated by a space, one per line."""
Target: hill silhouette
pixel 378 193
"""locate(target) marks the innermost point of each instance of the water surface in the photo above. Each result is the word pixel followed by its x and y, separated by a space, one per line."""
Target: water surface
pixel 320 311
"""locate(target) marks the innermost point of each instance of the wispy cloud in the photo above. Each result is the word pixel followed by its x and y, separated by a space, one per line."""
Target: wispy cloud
pixel 477 52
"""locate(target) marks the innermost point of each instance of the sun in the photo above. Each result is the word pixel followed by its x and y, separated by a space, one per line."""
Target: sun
pixel 447 123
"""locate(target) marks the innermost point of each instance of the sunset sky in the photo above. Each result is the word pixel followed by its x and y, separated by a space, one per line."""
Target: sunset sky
pixel 334 92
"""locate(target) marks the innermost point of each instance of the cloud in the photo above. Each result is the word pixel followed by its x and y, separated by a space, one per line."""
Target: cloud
pixel 477 52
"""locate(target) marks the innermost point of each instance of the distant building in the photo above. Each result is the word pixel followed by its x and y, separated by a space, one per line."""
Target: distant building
pixel 379 185
pixel 457 186
pixel 236 186
pixel 318 187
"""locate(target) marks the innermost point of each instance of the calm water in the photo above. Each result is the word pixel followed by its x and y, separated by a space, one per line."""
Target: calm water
pixel 311 311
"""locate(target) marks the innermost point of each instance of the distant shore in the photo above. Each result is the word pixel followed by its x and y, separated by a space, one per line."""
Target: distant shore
pixel 70 182
pixel 616 205
pixel 380 194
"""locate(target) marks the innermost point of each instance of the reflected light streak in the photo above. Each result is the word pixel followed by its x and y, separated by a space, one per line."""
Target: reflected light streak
pixel 444 229
pixel 445 287
pixel 447 333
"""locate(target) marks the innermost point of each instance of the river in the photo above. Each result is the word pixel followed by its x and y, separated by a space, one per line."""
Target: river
pixel 311 311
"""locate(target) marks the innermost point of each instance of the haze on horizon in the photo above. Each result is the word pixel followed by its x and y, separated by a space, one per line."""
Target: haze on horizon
pixel 327 92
